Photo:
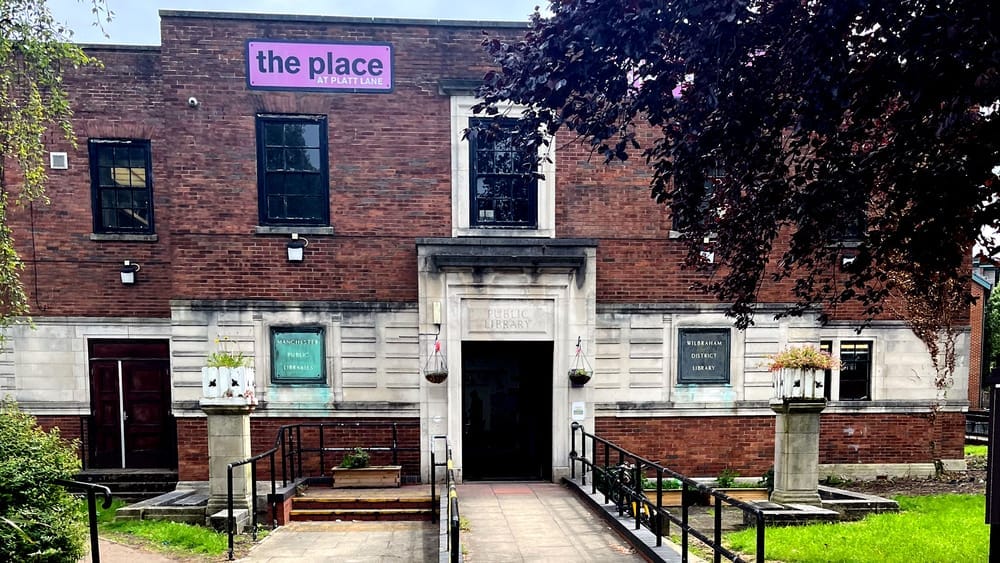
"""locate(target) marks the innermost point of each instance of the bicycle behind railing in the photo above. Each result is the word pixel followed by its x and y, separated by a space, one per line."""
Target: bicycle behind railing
pixel 619 473
pixel 295 460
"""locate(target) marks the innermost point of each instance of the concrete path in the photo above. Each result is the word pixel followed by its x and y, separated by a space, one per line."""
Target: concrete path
pixel 348 542
pixel 535 522
pixel 112 552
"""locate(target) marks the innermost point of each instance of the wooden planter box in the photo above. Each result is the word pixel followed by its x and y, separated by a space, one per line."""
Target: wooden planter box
pixel 745 494
pixel 367 477
pixel 671 497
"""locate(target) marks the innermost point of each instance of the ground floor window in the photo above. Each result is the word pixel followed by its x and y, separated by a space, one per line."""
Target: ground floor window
pixel 855 373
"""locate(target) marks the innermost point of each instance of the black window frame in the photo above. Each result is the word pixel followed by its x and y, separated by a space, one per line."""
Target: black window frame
pixel 321 378
pixel 265 192
pixel 827 346
pixel 849 364
pixel 479 129
pixel 713 176
pixel 723 376
pixel 99 186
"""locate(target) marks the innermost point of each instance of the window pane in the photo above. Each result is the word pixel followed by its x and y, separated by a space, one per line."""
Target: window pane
pixel 124 199
pixel 137 157
pixel 140 199
pixel 109 218
pixel 276 207
pixel 121 156
pixel 295 135
pixel 104 177
pixel 108 199
pixel 310 133
pixel 105 156
pixel 273 134
pixel 275 159
pixel 299 159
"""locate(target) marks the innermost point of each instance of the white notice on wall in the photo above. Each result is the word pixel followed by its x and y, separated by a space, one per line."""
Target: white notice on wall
pixel 579 411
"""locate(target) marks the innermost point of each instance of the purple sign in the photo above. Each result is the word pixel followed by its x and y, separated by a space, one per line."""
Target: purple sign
pixel 336 67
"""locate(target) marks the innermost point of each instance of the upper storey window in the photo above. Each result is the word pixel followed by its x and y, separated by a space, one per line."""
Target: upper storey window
pixel 121 186
pixel 503 187
pixel 292 174
pixel 496 190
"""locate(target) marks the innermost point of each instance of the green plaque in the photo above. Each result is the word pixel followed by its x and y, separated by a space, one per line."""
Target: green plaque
pixel 297 355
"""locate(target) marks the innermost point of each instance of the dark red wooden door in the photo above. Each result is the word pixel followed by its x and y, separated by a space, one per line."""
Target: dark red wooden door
pixel 137 410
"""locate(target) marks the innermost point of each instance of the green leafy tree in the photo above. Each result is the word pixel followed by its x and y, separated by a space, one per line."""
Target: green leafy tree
pixel 774 129
pixel 39 520
pixel 992 348
pixel 34 52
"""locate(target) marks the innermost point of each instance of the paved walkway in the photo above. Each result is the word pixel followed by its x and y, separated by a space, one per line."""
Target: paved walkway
pixel 113 552
pixel 348 542
pixel 535 522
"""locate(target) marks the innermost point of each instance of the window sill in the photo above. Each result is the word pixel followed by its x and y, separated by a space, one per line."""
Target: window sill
pixel 288 229
pixel 121 237
pixel 504 232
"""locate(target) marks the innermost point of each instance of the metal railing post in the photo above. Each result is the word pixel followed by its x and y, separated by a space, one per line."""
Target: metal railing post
pixel 395 444
pixel 298 438
pixel 322 450
pixel 229 508
pixel 718 527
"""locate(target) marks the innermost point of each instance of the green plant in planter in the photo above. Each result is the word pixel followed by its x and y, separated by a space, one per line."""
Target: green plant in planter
pixel 356 459
pixel 727 478
pixel 225 358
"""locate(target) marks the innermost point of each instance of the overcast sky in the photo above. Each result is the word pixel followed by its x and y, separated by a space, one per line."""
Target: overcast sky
pixel 136 22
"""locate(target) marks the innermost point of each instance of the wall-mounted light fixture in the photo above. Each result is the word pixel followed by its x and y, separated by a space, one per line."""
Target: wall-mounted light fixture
pixel 128 272
pixel 296 248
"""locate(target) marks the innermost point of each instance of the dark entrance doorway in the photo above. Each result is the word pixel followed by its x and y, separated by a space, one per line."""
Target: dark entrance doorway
pixel 507 410
pixel 130 404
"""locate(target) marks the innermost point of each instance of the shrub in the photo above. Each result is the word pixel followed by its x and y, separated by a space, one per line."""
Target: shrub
pixel 39 520
pixel 357 459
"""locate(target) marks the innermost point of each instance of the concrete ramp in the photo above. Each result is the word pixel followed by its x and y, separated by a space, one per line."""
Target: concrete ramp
pixel 535 521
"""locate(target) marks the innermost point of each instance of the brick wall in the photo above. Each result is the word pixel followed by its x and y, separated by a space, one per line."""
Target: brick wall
pixel 703 447
pixel 70 427
pixel 976 318
pixel 389 168
pixel 192 448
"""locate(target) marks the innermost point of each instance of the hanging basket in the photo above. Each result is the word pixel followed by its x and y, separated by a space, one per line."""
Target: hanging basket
pixel 437 376
pixel 579 377
pixel 581 371
pixel 436 367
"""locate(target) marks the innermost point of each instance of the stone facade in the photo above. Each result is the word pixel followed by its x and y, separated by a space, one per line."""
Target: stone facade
pixel 400 267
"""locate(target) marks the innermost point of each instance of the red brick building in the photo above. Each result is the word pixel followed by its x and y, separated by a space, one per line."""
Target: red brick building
pixel 204 160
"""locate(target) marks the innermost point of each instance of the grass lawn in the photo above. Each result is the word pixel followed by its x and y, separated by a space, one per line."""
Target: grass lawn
pixel 930 529
pixel 171 537
pixel 978 451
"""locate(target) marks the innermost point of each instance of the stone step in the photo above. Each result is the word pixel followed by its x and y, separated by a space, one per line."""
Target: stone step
pixel 321 503
pixel 116 475
pixel 372 514
pixel 132 484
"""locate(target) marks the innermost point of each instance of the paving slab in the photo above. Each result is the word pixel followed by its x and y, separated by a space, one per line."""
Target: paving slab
pixel 535 522
pixel 348 542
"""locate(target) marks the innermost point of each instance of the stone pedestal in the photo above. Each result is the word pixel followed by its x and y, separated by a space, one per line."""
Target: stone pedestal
pixel 228 441
pixel 796 451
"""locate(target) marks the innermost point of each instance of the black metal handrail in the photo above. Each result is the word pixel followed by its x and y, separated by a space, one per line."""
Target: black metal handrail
pixel 288 450
pixel 454 522
pixel 91 490
pixel 621 483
